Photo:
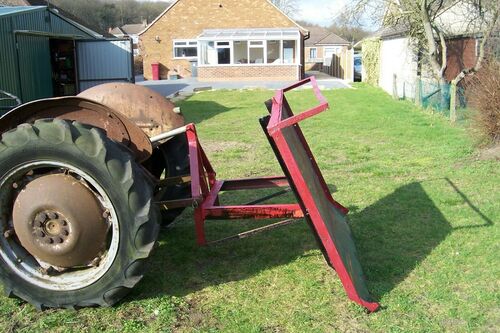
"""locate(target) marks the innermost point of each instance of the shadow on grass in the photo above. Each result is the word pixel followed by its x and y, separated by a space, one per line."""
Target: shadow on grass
pixel 392 237
pixel 165 88
pixel 198 111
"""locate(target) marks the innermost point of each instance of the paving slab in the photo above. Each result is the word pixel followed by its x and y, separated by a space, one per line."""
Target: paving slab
pixel 185 87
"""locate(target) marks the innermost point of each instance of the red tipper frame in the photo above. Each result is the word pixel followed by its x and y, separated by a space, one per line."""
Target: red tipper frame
pixel 325 215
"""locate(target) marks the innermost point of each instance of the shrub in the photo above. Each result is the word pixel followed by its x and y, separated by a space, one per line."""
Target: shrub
pixel 483 92
pixel 138 69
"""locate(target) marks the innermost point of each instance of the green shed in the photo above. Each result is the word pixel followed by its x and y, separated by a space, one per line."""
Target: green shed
pixel 43 54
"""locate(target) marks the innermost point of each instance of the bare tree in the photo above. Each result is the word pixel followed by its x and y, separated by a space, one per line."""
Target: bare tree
pixel 287 6
pixel 429 23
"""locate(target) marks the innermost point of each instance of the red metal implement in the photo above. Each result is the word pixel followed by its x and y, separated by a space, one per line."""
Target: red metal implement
pixel 326 216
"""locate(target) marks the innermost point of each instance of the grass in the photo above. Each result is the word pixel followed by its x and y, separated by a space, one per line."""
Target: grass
pixel 424 214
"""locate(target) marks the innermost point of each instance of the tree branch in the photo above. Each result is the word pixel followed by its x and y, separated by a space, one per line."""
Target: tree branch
pixel 429 36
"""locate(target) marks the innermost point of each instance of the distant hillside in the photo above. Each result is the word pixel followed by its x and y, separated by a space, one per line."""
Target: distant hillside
pixel 107 14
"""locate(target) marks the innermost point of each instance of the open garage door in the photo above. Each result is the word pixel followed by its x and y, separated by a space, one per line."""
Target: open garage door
pixel 101 61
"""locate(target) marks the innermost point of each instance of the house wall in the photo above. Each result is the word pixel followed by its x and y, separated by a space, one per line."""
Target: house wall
pixel 313 64
pixel 398 68
pixel 248 72
pixel 461 53
pixel 188 18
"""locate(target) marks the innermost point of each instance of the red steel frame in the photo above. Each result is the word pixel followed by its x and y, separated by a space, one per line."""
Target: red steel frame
pixel 205 190
pixel 205 187
pixel 274 129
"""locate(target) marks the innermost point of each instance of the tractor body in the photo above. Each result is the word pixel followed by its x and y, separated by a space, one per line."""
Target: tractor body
pixel 85 182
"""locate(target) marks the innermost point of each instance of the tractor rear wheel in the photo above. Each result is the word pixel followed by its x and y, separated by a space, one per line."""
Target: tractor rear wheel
pixel 76 216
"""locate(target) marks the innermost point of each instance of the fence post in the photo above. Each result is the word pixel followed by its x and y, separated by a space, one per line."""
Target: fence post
pixel 453 102
pixel 395 87
pixel 418 91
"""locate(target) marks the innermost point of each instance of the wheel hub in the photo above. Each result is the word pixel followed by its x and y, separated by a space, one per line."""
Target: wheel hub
pixel 59 220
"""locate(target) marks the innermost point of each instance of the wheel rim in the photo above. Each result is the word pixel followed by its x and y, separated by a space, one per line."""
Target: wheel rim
pixel 33 269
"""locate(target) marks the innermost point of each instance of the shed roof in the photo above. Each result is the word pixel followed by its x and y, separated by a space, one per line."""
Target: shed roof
pixel 4 11
pixel 95 31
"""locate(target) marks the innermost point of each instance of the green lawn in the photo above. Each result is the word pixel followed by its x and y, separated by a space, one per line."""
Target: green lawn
pixel 424 215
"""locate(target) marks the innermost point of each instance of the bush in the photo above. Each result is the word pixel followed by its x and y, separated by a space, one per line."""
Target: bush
pixel 138 69
pixel 484 98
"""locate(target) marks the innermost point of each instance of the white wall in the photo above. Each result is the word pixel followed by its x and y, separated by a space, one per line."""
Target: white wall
pixel 396 57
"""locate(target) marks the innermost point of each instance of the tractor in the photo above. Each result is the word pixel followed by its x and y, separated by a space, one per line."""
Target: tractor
pixel 86 181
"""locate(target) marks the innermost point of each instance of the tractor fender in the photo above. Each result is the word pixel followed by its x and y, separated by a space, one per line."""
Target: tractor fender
pixel 116 126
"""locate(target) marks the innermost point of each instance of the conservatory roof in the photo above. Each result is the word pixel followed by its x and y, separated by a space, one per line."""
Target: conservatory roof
pixel 237 34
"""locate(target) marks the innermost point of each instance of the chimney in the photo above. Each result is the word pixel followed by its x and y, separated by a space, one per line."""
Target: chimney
pixel 144 22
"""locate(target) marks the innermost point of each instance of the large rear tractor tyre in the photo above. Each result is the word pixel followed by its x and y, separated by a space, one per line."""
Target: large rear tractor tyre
pixel 76 217
pixel 171 159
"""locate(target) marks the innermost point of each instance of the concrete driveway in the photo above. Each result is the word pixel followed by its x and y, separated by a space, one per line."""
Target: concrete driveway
pixel 170 88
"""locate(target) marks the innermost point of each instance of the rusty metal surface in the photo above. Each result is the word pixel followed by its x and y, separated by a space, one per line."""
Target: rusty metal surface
pixel 149 110
pixel 116 126
pixel 60 221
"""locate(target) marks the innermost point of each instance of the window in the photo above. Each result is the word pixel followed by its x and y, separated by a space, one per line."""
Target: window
pixel 223 53
pixel 273 52
pixel 313 53
pixel 242 51
pixel 240 48
pixel 330 51
pixel 256 52
pixel 185 49
pixel 289 51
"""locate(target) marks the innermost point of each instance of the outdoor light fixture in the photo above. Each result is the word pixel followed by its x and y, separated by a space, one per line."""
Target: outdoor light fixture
pixel 157 38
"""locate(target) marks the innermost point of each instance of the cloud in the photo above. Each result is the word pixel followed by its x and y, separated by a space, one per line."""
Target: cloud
pixel 321 12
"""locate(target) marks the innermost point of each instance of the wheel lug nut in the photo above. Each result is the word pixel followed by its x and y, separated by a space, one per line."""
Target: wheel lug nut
pixel 38 224
pixel 59 240
pixel 42 217
pixel 65 232
pixel 40 234
pixel 49 240
pixel 52 215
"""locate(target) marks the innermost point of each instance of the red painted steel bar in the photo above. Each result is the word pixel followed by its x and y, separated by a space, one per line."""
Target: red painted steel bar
pixel 254 212
pixel 255 183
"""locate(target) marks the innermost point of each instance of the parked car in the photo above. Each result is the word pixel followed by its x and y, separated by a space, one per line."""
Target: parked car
pixel 358 66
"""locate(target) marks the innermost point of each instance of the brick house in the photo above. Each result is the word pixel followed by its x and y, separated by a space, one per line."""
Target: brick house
pixel 322 45
pixel 224 40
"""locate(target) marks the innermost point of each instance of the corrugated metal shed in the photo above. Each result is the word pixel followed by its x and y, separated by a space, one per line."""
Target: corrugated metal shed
pixel 25 52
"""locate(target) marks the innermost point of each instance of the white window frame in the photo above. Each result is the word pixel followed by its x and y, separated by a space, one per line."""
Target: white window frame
pixel 263 45
pixel 230 46
pixel 315 53
pixel 187 43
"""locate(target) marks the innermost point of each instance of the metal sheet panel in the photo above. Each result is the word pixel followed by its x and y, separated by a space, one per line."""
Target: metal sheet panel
pixel 35 69
pixel 9 80
pixel 101 61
